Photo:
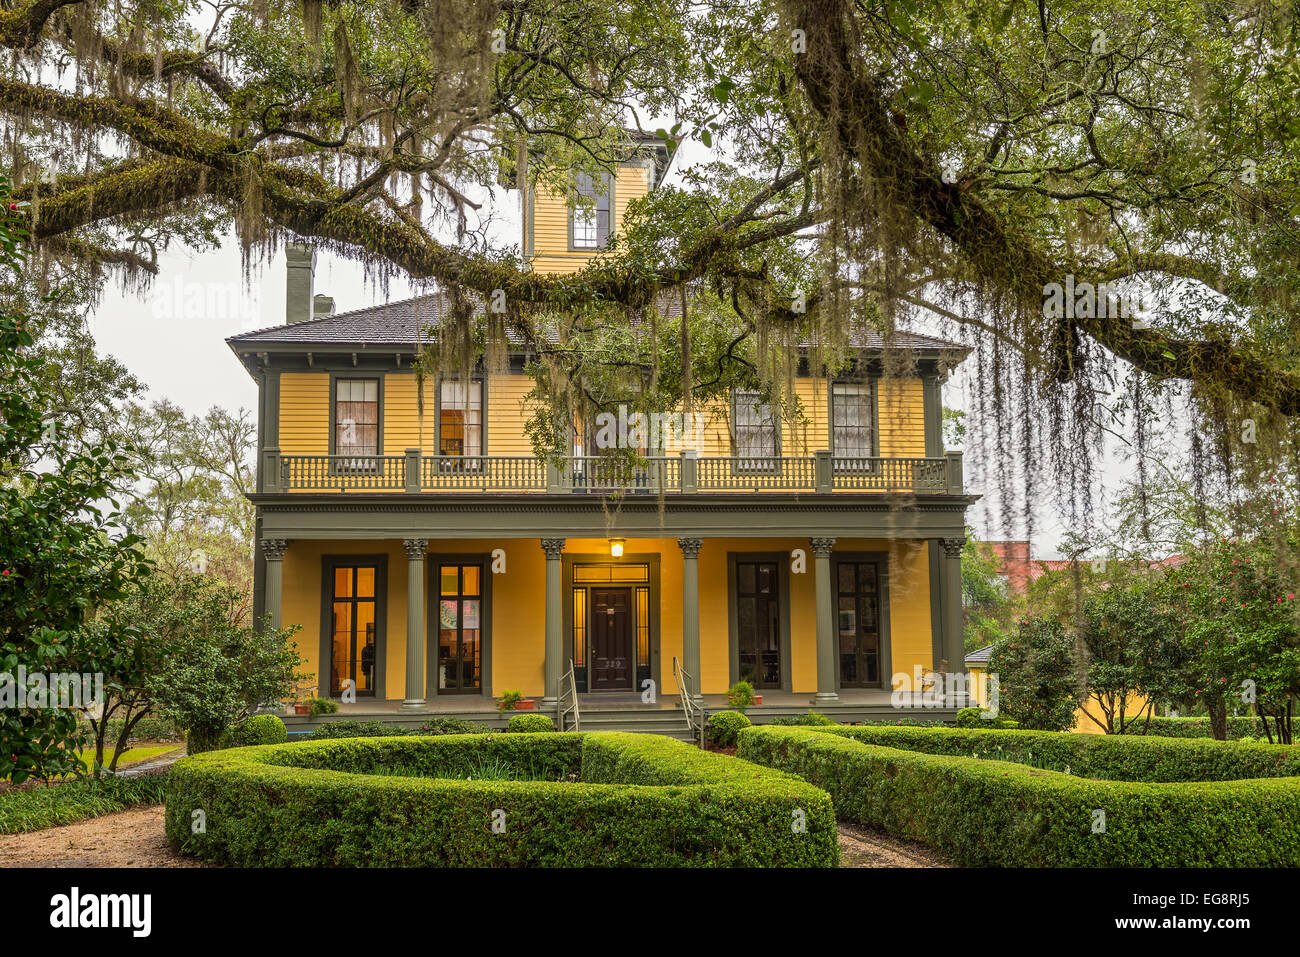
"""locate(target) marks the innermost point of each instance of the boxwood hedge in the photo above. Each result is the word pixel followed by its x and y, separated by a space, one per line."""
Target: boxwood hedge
pixel 638 800
pixel 1002 813
pixel 1112 757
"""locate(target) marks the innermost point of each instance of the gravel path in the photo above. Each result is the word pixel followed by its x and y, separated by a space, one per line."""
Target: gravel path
pixel 860 847
pixel 131 838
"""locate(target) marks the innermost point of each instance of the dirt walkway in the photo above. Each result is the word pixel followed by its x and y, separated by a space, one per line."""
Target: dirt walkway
pixel 860 847
pixel 131 838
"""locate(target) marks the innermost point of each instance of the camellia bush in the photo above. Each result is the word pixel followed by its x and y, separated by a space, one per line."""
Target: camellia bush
pixel 61 554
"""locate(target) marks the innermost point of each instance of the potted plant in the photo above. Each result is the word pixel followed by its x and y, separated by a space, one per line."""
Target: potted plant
pixel 741 696
pixel 512 700
pixel 302 698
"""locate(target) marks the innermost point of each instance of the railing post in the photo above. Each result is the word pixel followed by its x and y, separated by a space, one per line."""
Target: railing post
pixel 555 479
pixel 413 470
pixel 690 458
pixel 271 470
pixel 823 471
pixel 954 473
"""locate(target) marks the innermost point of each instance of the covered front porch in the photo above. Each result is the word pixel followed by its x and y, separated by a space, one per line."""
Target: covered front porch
pixel 434 607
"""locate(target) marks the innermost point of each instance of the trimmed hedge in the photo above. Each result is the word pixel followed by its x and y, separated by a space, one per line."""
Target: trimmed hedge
pixel 1238 727
pixel 351 728
pixel 258 729
pixel 1000 813
pixel 642 800
pixel 529 723
pixel 723 726
pixel 1109 757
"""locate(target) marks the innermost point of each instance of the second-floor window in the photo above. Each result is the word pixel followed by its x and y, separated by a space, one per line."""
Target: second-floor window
pixel 356 417
pixel 590 219
pixel 755 430
pixel 853 420
pixel 460 418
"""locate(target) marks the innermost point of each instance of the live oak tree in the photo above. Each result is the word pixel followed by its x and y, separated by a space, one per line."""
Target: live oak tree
pixel 969 158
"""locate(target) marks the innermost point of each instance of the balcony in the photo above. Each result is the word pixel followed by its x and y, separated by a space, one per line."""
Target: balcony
pixel 684 474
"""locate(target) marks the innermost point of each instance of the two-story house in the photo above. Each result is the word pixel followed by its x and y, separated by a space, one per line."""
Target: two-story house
pixel 432 561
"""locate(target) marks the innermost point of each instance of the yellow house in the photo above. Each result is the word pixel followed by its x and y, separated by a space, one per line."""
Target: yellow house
pixel 433 562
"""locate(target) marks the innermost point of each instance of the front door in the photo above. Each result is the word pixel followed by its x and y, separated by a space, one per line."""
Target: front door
pixel 859 623
pixel 758 623
pixel 611 639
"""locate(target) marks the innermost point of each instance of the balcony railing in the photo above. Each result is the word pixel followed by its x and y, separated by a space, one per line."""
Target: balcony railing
pixel 675 474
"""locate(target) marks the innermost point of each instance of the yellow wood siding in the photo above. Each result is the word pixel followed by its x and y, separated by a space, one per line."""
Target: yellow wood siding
pixel 305 413
pixel 550 225
pixel 404 428
pixel 902 417
pixel 507 412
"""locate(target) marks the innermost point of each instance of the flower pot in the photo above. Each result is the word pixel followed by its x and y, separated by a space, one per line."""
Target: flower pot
pixel 758 699
pixel 525 704
pixel 302 709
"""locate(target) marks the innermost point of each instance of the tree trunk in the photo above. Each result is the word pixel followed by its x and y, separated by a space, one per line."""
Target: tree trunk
pixel 1219 720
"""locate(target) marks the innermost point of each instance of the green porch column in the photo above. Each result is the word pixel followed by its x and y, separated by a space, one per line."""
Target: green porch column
pixel 273 551
pixel 954 644
pixel 691 612
pixel 827 659
pixel 554 548
pixel 415 552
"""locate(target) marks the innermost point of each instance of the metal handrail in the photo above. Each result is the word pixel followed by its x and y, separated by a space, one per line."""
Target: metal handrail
pixel 694 713
pixel 571 694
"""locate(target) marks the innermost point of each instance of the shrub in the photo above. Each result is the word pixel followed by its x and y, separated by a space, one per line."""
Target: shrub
pixel 741 696
pixel 323 706
pixel 1110 757
pixel 452 726
pixel 1238 727
pixel 149 728
pixel 812 718
pixel 975 718
pixel 1036 674
pixel 259 729
pixel 359 729
pixel 1000 813
pixel 723 727
pixel 671 804
pixel 527 723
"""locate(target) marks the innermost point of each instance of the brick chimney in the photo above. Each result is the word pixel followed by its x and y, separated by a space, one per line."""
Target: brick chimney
pixel 300 260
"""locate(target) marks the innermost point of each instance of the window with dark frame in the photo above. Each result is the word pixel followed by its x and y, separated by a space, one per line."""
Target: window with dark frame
pixel 356 422
pixel 852 420
pixel 460 421
pixel 590 218
pixel 460 628
pixel 353 636
pixel 858 620
pixel 755 433
pixel 758 623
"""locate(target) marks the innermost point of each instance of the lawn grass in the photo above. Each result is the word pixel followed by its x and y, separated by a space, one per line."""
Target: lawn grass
pixel 129 756
pixel 40 806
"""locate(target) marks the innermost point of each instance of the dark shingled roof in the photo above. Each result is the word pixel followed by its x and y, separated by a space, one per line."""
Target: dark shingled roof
pixel 401 323
pixel 980 656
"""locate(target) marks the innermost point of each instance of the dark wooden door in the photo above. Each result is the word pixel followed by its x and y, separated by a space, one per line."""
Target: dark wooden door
pixel 611 639
pixel 758 623
pixel 858 610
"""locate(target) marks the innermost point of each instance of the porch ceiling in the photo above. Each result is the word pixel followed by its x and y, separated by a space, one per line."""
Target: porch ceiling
pixel 770 515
